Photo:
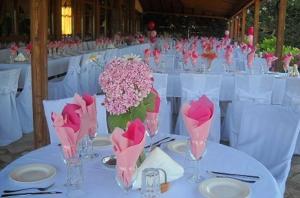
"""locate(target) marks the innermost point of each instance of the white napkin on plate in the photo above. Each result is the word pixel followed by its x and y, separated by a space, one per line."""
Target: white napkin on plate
pixel 159 159
pixel 20 57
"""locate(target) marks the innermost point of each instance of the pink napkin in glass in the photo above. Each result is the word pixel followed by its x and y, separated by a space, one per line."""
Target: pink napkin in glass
pixel 286 61
pixel 229 54
pixel 147 54
pixel 197 117
pixel 67 126
pixel 153 114
pixel 186 55
pixel 88 113
pixel 194 57
pixel 156 54
pixel 127 147
pixel 250 57
pixel 270 58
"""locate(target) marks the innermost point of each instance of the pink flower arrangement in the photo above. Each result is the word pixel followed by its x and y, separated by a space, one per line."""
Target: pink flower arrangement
pixel 125 82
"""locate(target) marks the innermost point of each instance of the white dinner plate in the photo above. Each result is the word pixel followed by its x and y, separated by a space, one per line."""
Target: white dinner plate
pixel 102 142
pixel 33 173
pixel 224 188
pixel 178 146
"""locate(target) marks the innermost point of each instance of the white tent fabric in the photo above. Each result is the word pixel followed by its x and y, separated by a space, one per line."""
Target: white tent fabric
pixel 269 133
pixel 10 128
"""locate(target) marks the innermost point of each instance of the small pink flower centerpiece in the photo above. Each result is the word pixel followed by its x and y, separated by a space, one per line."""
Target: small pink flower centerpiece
pixel 127 83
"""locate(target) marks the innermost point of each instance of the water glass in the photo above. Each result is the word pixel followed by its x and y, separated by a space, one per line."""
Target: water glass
pixel 150 183
pixel 74 178
pixel 85 147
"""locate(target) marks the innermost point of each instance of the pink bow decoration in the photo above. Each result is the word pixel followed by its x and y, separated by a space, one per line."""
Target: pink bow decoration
pixel 88 114
pixel 156 54
pixel 229 54
pixel 197 117
pixel 286 61
pixel 270 58
pixel 127 147
pixel 147 54
pixel 250 57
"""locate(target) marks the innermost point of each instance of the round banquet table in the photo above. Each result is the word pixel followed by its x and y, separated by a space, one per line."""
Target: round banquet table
pixel 99 181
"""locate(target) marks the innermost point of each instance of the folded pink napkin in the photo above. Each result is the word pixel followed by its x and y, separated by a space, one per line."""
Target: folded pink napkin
pixel 270 58
pixel 67 126
pixel 152 115
pixel 88 113
pixel 147 54
pixel 194 57
pixel 250 57
pixel 127 147
pixel 229 54
pixel 286 61
pixel 156 54
pixel 197 117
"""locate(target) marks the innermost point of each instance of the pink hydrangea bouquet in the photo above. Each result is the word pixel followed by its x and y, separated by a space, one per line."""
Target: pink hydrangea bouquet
pixel 127 84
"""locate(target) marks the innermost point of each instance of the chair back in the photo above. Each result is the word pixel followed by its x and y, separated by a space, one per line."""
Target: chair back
pixel 9 81
pixel 291 96
pixel 269 134
pixel 254 88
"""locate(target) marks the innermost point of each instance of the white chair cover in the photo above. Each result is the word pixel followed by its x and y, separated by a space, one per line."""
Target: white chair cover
pixel 269 133
pixel 258 67
pixel 194 86
pixel 217 66
pixel 160 84
pixel 69 85
pixel 24 104
pixel 166 63
pixel 89 74
pixel 248 89
pixel 110 54
pixel 58 105
pixel 291 99
pixel 254 88
pixel 10 128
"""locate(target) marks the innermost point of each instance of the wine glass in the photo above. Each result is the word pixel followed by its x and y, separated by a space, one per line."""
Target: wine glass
pixel 195 153
pixel 151 123
pixel 92 135
pixel 125 177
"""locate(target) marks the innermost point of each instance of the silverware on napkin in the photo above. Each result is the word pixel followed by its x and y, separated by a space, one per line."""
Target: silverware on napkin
pixel 30 193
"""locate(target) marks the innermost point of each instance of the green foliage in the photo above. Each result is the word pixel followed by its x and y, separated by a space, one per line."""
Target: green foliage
pixel 268 45
pixel 132 114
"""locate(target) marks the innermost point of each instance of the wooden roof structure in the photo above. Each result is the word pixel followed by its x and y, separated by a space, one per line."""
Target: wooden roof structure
pixel 202 8
pixel 232 10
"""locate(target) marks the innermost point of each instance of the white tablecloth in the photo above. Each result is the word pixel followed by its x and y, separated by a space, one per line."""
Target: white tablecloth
pixel 100 182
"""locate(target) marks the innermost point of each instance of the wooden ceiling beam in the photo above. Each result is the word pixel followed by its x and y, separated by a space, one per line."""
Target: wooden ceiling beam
pixel 251 2
pixel 186 14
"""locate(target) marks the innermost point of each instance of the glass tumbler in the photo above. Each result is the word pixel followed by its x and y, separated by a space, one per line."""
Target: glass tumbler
pixel 150 183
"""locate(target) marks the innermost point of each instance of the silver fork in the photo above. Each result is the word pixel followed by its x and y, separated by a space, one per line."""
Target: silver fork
pixel 40 189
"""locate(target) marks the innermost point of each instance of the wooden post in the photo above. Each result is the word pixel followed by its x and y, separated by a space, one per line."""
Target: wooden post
pixel 231 28
pixel 256 21
pixel 280 32
pixel 244 13
pixel 39 33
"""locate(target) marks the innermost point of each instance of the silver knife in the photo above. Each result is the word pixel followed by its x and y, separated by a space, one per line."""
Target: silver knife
pixel 234 175
pixel 30 193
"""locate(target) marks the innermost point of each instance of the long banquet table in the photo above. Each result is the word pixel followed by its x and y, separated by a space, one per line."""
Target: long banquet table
pixel 99 181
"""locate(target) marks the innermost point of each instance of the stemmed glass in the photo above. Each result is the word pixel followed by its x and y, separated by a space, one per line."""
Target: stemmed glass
pixel 92 135
pixel 196 152
pixel 151 124
pixel 126 183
